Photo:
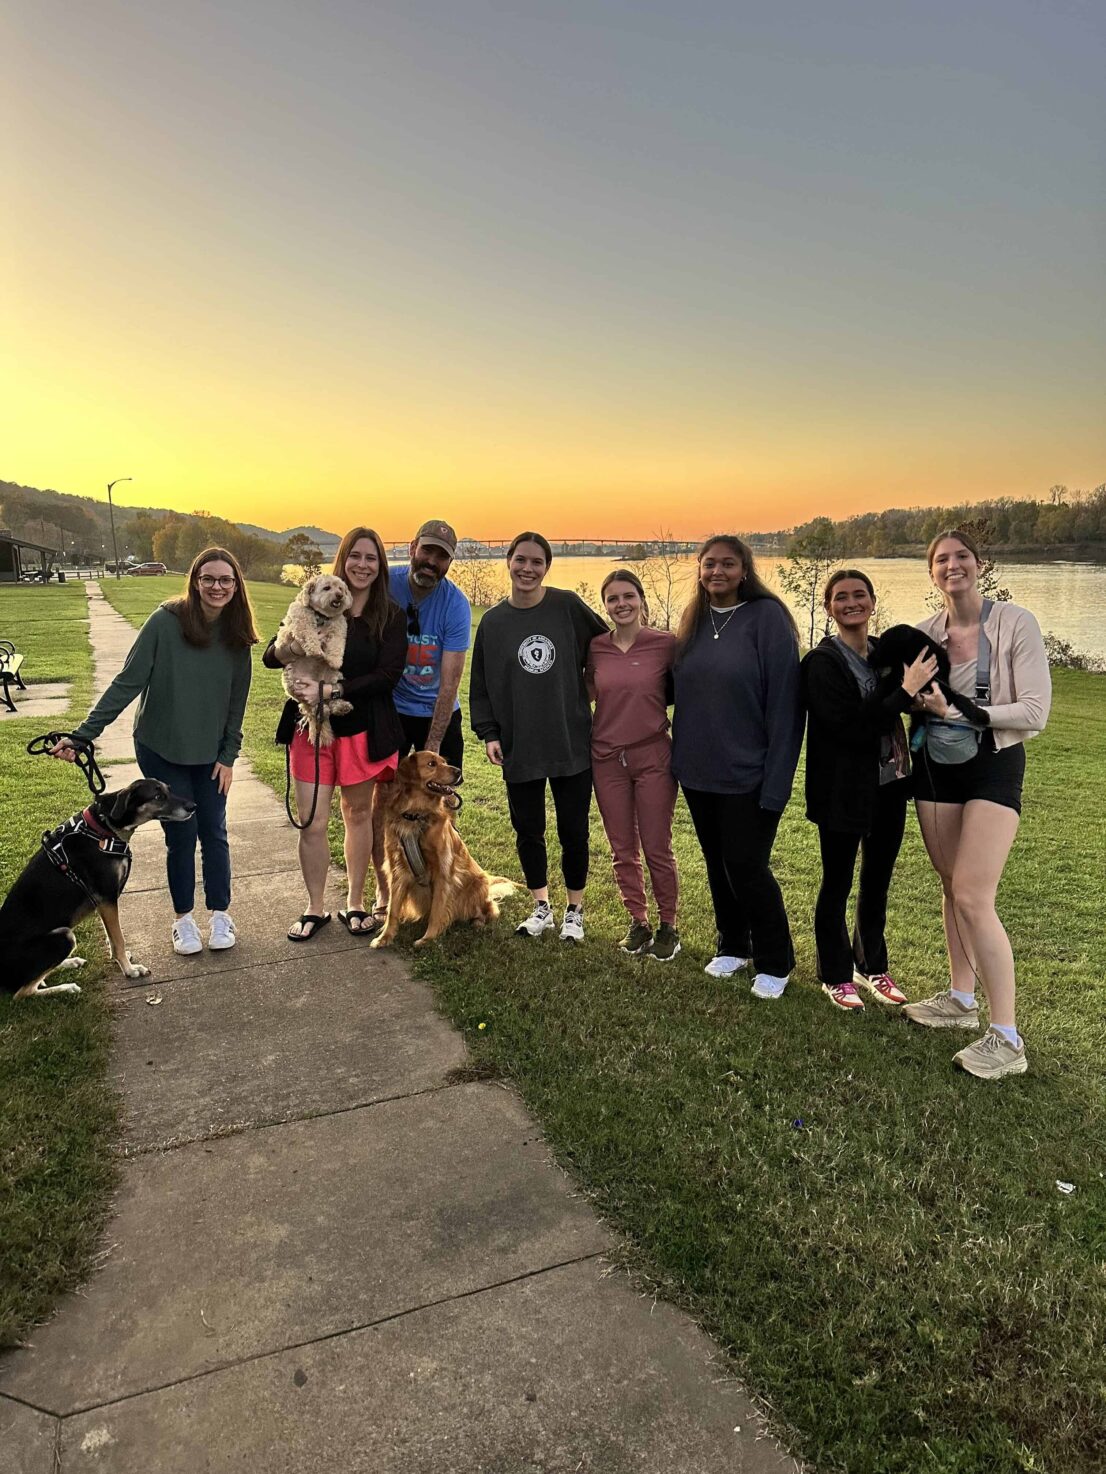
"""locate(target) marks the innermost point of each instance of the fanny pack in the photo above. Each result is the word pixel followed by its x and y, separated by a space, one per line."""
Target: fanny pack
pixel 948 742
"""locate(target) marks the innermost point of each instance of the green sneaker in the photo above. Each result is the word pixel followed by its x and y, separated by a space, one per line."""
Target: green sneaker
pixel 942 1011
pixel 665 944
pixel 992 1057
pixel 637 939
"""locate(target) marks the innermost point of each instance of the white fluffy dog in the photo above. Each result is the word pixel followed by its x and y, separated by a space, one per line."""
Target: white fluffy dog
pixel 312 641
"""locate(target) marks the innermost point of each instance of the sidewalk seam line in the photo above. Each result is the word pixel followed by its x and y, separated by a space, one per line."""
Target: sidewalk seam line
pixel 274 1124
pixel 369 1325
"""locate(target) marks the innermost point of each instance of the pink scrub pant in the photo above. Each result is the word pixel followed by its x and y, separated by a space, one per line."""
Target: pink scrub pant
pixel 636 794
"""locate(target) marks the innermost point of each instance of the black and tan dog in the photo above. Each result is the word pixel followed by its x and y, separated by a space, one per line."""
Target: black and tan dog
pixel 81 867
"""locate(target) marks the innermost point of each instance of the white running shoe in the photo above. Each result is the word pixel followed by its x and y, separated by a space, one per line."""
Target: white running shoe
pixel 539 920
pixel 766 986
pixel 186 936
pixel 223 934
pixel 725 967
pixel 572 927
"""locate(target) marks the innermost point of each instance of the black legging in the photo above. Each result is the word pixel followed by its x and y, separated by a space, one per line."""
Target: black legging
pixel 572 802
pixel 879 849
pixel 736 836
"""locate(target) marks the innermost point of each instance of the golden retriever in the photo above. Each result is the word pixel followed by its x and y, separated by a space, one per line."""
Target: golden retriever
pixel 428 867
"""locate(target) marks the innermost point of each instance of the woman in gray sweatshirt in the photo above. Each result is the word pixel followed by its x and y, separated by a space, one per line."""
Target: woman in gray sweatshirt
pixel 529 705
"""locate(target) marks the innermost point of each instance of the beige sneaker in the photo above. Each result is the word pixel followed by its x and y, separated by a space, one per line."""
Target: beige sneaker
pixel 943 1011
pixel 992 1057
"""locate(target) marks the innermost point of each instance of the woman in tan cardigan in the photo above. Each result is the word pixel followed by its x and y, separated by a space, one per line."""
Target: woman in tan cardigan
pixel 969 811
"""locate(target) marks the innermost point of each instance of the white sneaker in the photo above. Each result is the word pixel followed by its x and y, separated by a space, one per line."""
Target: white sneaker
pixel 725 967
pixel 539 920
pixel 223 934
pixel 766 986
pixel 186 936
pixel 572 927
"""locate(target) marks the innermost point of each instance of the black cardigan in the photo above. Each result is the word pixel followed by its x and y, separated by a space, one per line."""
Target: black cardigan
pixel 843 734
pixel 370 672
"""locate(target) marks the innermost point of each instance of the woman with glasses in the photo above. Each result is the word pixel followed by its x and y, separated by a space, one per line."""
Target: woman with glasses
pixel 366 740
pixel 190 670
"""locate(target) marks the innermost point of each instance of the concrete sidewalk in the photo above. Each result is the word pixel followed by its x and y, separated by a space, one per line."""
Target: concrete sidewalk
pixel 328 1251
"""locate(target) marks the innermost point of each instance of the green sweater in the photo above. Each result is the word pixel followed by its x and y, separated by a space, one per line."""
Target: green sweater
pixel 191 699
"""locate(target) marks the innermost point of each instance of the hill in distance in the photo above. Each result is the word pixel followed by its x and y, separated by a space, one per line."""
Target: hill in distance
pixel 318 535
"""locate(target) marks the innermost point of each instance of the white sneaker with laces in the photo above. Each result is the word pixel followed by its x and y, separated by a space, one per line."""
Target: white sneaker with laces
pixel 539 920
pixel 186 936
pixel 725 967
pixel 572 927
pixel 766 986
pixel 223 934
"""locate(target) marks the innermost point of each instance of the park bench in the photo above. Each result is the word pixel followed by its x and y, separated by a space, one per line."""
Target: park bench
pixel 10 663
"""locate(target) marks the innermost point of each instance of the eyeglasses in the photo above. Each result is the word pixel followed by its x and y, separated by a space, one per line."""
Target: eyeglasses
pixel 413 627
pixel 205 581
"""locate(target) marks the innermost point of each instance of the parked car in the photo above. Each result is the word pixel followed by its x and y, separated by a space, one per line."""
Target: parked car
pixel 148 568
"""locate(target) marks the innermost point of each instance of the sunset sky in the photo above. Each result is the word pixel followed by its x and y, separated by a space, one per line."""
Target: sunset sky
pixel 602 265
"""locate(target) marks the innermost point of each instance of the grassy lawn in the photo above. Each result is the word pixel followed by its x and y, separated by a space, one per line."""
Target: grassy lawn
pixel 877 1239
pixel 57 1114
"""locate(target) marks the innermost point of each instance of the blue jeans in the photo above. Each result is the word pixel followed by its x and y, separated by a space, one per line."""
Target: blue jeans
pixel 208 824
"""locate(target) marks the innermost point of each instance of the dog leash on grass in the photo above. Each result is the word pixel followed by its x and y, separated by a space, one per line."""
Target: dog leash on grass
pixel 85 757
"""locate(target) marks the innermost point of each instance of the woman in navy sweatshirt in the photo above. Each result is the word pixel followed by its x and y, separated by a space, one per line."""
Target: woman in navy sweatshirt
pixel 736 733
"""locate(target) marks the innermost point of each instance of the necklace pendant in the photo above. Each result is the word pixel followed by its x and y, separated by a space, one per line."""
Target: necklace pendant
pixel 716 634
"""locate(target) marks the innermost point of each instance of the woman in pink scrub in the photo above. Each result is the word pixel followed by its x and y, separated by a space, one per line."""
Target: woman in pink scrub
pixel 629 679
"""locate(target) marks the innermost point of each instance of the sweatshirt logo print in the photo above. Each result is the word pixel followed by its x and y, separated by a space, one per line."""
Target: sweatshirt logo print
pixel 536 654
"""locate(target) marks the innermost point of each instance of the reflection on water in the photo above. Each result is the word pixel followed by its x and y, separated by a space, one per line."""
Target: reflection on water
pixel 1068 598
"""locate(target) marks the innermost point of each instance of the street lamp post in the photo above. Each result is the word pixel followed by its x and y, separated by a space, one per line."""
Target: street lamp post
pixel 111 514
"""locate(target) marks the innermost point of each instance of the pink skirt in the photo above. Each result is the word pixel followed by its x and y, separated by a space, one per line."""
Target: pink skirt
pixel 344 764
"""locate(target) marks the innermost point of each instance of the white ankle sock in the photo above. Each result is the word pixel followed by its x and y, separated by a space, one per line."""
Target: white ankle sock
pixel 967 999
pixel 1010 1034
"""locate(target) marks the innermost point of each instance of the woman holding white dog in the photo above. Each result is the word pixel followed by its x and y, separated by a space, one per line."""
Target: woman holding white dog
pixel 190 670
pixel 366 739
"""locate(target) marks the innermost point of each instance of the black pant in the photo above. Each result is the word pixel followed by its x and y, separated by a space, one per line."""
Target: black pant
pixel 736 836
pixel 417 729
pixel 879 849
pixel 572 802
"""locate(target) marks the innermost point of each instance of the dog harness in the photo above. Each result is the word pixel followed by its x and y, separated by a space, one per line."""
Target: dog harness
pixel 409 842
pixel 84 825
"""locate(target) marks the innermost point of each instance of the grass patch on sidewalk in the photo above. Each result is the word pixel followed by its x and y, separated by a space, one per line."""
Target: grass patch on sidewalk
pixel 877 1239
pixel 58 1115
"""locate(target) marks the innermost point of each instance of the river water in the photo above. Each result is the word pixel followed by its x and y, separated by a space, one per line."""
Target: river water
pixel 1069 599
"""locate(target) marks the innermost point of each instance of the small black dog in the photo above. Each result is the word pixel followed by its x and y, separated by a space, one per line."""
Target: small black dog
pixel 81 867
pixel 900 646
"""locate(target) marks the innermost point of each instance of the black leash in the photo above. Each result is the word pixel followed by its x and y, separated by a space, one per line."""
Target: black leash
pixel 85 757
pixel 288 773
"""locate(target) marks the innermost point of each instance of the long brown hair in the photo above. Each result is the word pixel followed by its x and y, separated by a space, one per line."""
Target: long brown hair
pixel 623 575
pixel 235 625
pixel 374 616
pixel 751 587
pixel 965 539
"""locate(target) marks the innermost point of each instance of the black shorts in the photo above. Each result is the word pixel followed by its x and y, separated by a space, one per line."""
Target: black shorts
pixel 994 776
pixel 416 729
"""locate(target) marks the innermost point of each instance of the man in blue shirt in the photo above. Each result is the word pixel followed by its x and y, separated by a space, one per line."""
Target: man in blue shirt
pixel 439 629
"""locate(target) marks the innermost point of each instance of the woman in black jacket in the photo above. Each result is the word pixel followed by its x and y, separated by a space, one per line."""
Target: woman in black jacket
pixel 857 766
pixel 366 739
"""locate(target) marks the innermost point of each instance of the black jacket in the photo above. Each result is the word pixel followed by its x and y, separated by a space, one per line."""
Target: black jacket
pixel 370 671
pixel 843 736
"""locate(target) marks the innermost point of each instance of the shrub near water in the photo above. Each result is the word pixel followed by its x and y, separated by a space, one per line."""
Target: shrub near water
pixel 876 1238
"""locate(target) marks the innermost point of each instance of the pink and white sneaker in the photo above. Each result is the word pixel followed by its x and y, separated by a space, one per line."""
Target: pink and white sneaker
pixel 844 995
pixel 882 987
